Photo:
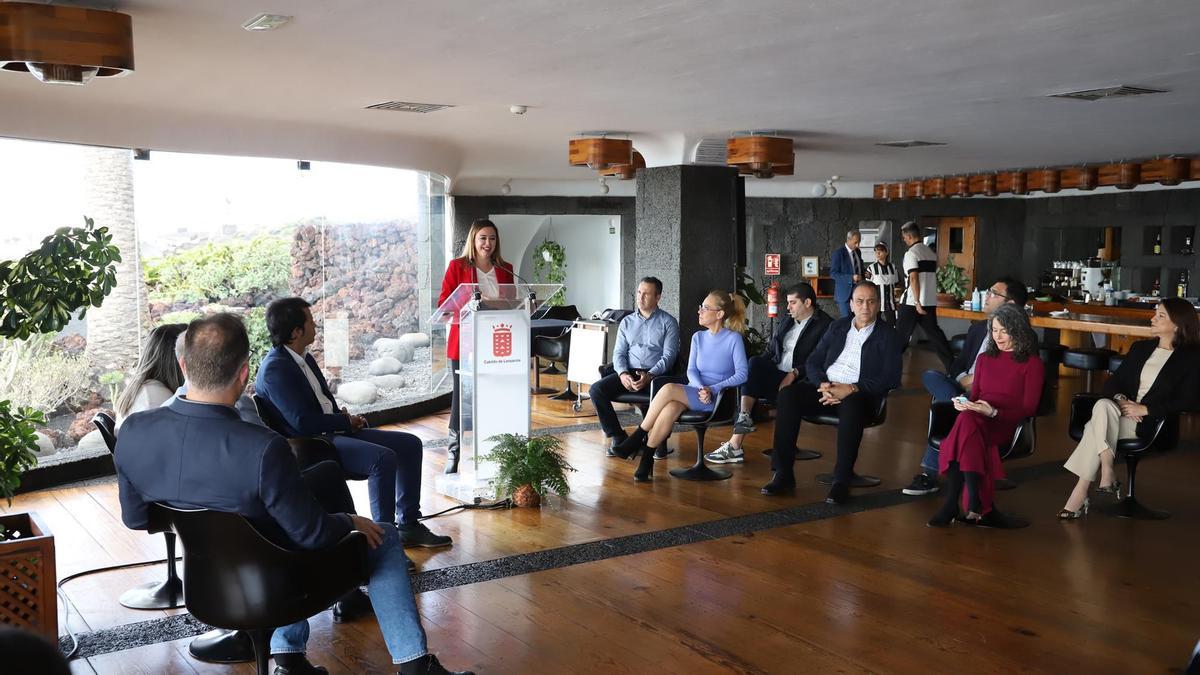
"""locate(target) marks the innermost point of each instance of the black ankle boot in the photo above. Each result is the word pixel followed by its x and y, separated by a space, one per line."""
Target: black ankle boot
pixel 645 470
pixel 631 445
pixel 949 510
pixel 452 453
pixel 782 483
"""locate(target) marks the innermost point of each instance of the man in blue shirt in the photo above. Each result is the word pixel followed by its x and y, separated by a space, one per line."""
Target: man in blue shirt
pixel 647 344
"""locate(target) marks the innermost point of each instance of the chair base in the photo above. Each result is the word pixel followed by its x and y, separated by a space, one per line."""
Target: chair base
pixel 222 646
pixel 802 455
pixel 700 472
pixel 564 395
pixel 551 369
pixel 1132 508
pixel 542 390
pixel 858 481
pixel 166 594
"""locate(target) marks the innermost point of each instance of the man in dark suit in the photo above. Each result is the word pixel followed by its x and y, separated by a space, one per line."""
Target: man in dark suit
pixel 854 366
pixel 291 381
pixel 195 452
pixel 846 268
pixel 794 339
pixel 957 379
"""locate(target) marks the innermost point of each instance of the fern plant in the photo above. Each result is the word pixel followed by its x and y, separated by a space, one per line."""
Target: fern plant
pixel 952 279
pixel 550 265
pixel 535 461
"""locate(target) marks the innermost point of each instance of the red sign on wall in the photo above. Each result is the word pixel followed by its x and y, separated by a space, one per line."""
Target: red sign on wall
pixel 771 265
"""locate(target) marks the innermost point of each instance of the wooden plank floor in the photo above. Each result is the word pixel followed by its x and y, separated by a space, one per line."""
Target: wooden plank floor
pixel 875 591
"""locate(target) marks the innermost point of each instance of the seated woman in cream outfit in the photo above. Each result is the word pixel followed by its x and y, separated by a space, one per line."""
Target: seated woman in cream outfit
pixel 1156 379
pixel 157 375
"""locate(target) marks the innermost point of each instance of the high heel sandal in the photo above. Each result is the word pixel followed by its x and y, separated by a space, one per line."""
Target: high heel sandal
pixel 1067 514
pixel 1113 490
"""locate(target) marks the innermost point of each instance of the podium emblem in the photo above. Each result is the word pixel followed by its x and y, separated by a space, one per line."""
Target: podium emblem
pixel 502 341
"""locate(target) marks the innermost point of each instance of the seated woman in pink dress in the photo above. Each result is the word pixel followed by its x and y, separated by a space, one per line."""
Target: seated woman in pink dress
pixel 1006 390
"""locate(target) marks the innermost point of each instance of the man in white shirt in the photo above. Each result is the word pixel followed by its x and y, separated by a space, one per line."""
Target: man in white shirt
pixel 782 364
pixel 920 299
pixel 851 370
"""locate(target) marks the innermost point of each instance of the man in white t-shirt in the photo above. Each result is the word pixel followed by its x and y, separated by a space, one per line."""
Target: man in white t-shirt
pixel 920 299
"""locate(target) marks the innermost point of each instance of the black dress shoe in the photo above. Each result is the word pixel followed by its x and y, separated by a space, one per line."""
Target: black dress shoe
pixel 781 484
pixel 351 606
pixel 429 665
pixel 839 493
pixel 420 535
pixel 222 646
pixel 297 664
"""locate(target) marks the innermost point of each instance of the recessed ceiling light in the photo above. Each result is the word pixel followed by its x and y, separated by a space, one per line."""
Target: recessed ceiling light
pixel 909 144
pixel 266 22
pixel 1108 92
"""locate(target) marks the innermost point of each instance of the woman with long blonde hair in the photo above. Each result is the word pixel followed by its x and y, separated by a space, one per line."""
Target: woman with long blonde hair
pixel 482 264
pixel 717 360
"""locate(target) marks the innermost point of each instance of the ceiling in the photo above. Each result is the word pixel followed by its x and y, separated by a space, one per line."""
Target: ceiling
pixel 837 75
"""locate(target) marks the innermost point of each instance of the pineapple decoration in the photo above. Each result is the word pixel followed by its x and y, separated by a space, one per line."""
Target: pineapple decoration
pixel 528 467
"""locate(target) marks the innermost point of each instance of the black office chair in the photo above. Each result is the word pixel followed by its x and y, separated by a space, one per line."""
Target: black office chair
pixel 166 594
pixel 555 349
pixel 957 343
pixel 237 579
pixel 724 411
pixel 878 417
pixel 1131 448
pixel 941 419
pixel 308 450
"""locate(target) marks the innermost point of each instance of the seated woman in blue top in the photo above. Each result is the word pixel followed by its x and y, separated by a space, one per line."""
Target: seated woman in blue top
pixel 717 360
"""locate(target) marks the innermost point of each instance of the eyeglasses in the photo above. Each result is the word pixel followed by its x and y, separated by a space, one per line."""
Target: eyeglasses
pixel 994 293
pixel 706 308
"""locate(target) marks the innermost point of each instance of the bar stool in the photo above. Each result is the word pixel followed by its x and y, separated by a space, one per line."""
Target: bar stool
pixel 1088 359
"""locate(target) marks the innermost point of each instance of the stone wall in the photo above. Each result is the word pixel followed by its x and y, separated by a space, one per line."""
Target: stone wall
pixel 366 272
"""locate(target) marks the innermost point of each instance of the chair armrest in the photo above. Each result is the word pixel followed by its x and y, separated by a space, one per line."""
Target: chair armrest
pixel 330 568
pixel 942 415
pixel 724 410
pixel 1081 413
pixel 607 369
pixel 310 451
pixel 663 380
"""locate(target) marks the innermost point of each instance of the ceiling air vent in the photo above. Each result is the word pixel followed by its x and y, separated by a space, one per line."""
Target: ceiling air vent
pixel 710 151
pixel 1108 92
pixel 909 144
pixel 406 106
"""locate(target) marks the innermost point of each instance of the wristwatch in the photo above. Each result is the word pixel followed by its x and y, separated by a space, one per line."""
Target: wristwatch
pixel 1120 397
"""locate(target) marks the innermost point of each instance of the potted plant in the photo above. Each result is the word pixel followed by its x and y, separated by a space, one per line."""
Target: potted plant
pixel 74 268
pixel 528 467
pixel 952 284
pixel 550 266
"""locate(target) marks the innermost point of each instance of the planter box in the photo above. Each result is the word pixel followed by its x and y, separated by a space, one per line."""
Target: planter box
pixel 28 577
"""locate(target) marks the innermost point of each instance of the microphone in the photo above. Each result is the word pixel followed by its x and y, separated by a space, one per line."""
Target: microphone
pixel 532 293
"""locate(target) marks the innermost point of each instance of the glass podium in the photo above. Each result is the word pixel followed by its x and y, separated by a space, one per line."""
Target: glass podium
pixel 493 375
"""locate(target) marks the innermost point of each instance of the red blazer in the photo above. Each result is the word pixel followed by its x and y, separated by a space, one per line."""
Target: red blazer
pixel 461 271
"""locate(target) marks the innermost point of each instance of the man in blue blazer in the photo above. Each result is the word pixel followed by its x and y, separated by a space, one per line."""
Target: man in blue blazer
pixel 195 452
pixel 290 380
pixel 846 268
pixel 854 366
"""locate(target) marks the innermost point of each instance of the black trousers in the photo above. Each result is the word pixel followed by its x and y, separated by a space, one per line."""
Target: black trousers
pixel 907 321
pixel 607 388
pixel 327 482
pixel 763 378
pixel 802 398
pixel 455 395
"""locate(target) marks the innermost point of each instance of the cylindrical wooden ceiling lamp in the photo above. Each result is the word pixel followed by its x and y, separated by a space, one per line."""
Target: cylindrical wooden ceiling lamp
pixel 1089 178
pixel 64 45
pixel 761 156
pixel 989 184
pixel 962 186
pixel 1129 174
pixel 626 171
pixel 600 154
pixel 1020 183
pixel 1050 181
pixel 934 187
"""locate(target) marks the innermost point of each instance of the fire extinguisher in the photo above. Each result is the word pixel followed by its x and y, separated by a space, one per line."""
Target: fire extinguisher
pixel 773 300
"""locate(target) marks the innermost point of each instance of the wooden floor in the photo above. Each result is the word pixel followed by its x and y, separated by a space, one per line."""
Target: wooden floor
pixel 874 591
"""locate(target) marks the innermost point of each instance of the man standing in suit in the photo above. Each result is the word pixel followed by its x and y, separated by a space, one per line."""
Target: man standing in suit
pixel 782 365
pixel 291 381
pixel 958 378
pixel 853 367
pixel 846 268
pixel 195 452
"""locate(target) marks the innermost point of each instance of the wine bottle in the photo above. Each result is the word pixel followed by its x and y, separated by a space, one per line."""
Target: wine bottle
pixel 1158 244
pixel 1155 289
pixel 1187 245
pixel 1181 289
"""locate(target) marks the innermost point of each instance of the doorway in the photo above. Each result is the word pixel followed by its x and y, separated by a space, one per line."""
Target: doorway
pixel 952 237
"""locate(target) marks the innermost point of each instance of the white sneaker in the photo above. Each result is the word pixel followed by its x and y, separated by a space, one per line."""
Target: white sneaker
pixel 726 454
pixel 744 424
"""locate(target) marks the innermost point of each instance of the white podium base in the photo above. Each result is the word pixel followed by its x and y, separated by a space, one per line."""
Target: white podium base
pixel 468 490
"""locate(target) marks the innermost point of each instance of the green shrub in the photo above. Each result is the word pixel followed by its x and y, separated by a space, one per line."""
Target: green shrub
pixel 184 316
pixel 222 270
pixel 36 374
pixel 255 319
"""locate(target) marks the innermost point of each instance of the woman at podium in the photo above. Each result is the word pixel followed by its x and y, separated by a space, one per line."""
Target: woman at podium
pixel 717 360
pixel 480 263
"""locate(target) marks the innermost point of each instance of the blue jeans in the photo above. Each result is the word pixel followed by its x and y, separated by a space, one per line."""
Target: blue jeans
pixel 391 596
pixel 943 388
pixel 391 461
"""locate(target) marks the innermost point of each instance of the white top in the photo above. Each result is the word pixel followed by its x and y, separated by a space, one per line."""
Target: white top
pixel 326 404
pixel 1151 370
pixel 150 395
pixel 489 287
pixel 789 344
pixel 913 259
pixel 848 364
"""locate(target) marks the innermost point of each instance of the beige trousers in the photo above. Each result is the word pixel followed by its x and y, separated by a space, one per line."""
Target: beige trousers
pixel 1101 433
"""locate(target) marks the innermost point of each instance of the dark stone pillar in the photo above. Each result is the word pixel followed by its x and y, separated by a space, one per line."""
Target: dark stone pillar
pixel 686 236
